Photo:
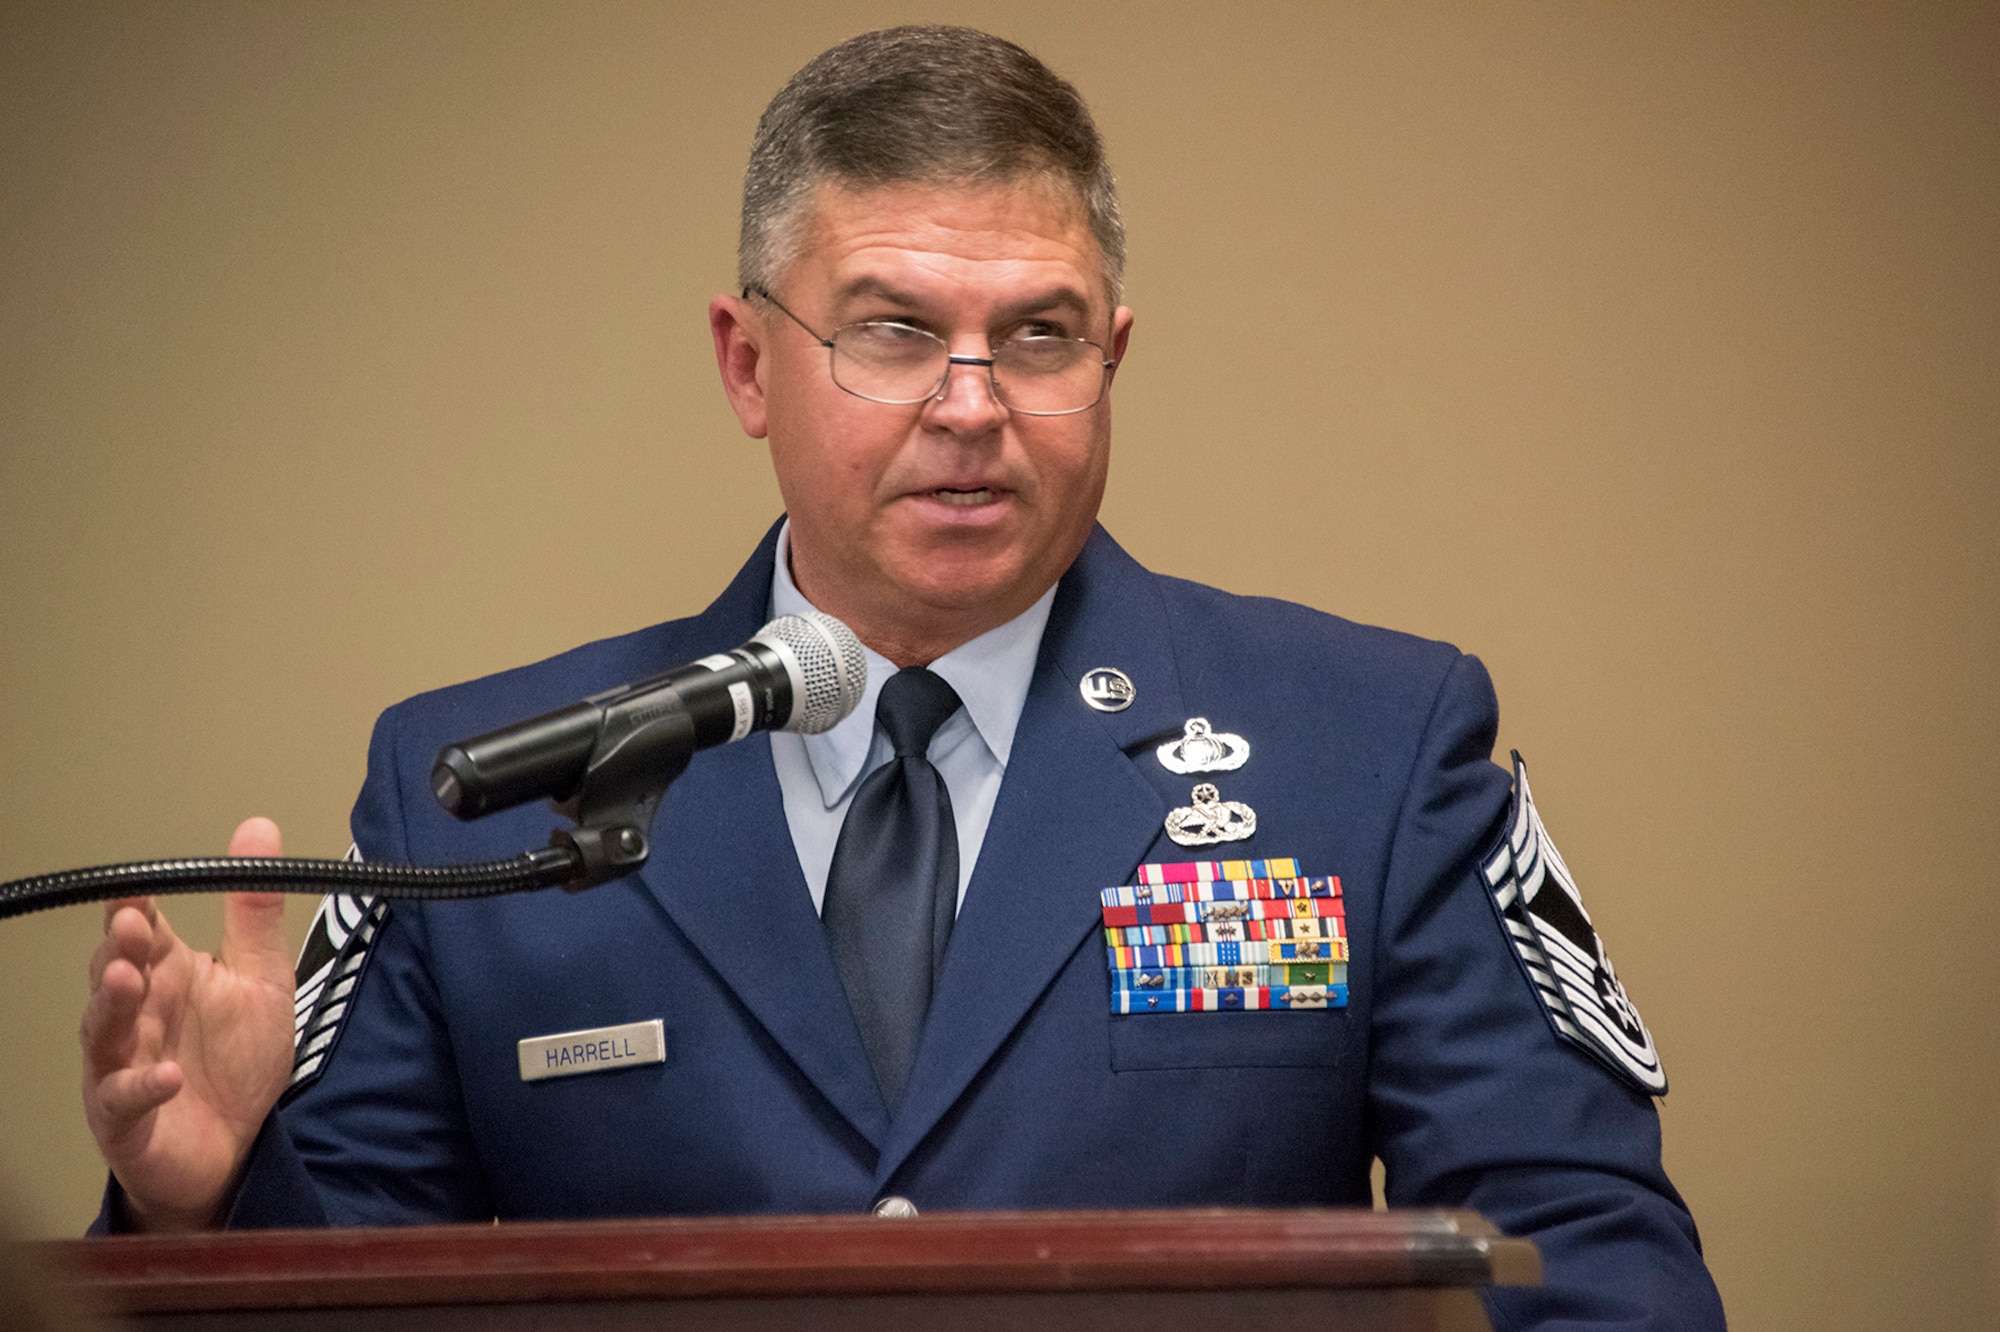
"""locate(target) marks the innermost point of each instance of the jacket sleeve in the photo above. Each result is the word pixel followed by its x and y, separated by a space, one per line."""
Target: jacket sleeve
pixel 1474 1102
pixel 275 1191
pixel 377 1135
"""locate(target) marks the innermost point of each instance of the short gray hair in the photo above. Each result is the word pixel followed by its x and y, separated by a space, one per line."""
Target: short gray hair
pixel 920 105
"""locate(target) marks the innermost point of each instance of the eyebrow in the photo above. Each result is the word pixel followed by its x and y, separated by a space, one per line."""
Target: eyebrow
pixel 1060 298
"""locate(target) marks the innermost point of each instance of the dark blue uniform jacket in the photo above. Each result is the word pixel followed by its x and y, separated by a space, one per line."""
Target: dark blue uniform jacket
pixel 1370 761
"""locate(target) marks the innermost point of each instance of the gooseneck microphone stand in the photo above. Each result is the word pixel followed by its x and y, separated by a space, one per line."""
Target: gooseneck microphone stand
pixel 603 763
pixel 530 870
pixel 632 757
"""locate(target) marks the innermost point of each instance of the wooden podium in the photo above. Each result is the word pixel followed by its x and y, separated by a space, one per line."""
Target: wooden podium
pixel 1326 1269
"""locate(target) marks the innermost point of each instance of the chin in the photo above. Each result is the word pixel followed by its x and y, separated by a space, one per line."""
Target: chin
pixel 962 585
pixel 942 592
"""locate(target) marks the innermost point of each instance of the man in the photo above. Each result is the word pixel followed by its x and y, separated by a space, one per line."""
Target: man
pixel 1114 891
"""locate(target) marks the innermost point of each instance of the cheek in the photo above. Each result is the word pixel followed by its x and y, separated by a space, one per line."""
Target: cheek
pixel 1077 465
pixel 826 462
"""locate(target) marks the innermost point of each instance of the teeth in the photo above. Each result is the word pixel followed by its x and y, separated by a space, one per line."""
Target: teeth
pixel 966 498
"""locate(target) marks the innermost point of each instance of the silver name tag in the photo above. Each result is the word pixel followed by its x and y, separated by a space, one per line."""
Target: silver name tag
pixel 598 1050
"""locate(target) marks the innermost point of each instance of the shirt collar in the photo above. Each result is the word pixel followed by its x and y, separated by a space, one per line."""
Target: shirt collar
pixel 991 674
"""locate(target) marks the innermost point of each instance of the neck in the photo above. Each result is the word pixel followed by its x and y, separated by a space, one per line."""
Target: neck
pixel 902 626
pixel 908 632
pixel 919 644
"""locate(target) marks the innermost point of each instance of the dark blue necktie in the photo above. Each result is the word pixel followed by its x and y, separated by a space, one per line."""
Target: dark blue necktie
pixel 892 890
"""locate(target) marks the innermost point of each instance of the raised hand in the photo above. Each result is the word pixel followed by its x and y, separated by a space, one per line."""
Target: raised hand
pixel 185 1053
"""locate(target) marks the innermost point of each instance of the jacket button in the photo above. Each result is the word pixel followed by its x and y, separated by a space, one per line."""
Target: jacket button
pixel 894 1208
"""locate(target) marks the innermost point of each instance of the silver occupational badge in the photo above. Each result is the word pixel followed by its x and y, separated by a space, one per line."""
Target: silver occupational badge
pixel 1202 749
pixel 1211 819
pixel 1107 689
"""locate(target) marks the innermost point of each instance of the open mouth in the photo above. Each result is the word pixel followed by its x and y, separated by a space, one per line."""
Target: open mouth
pixel 966 499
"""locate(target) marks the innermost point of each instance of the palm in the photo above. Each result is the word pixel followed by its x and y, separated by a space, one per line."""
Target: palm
pixel 230 1031
pixel 185 1053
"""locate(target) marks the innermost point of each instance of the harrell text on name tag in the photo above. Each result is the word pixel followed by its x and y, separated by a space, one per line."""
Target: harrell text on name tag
pixel 598 1050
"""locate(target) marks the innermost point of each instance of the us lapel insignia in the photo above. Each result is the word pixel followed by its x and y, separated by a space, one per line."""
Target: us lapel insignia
pixel 1107 689
pixel 1204 749
pixel 1211 819
pixel 1226 936
pixel 1558 948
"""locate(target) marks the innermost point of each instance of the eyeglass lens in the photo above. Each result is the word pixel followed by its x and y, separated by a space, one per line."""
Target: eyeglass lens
pixel 895 363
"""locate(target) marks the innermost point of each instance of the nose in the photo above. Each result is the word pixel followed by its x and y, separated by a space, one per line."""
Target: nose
pixel 967 400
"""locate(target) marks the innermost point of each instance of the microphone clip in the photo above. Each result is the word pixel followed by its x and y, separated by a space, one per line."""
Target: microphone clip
pixel 636 758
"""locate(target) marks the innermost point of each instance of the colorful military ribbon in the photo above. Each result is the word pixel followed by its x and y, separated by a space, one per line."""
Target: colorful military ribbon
pixel 1226 936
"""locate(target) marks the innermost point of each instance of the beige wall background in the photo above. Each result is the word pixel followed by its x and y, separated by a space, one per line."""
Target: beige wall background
pixel 1648 351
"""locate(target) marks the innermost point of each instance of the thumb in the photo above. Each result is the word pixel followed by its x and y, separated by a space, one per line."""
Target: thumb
pixel 256 837
pixel 253 924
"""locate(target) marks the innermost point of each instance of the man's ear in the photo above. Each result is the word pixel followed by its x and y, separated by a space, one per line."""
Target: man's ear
pixel 1121 332
pixel 739 355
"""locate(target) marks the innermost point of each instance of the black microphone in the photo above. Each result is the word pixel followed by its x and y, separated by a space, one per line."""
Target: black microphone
pixel 797 673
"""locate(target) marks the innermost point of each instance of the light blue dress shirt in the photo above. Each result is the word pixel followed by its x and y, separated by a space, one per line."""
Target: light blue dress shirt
pixel 819 773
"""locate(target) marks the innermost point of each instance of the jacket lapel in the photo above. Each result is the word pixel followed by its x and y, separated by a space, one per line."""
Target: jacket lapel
pixel 1074 815
pixel 725 871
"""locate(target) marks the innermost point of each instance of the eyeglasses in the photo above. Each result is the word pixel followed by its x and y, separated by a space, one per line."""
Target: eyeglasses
pixel 896 363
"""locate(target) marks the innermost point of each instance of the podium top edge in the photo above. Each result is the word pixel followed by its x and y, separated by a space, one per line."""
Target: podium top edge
pixel 663 1258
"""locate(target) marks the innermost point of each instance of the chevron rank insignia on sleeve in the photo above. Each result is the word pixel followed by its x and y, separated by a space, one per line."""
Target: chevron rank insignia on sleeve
pixel 1543 916
pixel 330 966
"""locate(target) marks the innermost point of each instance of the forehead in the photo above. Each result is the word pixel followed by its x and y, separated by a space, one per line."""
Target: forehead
pixel 916 240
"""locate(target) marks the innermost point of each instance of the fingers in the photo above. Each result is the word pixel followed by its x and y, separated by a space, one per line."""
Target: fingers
pixel 110 1018
pixel 120 972
pixel 253 937
pixel 132 1093
pixel 256 837
pixel 253 924
pixel 128 930
pixel 145 906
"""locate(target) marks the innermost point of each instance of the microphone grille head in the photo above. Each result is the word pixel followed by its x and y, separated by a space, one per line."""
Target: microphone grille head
pixel 832 668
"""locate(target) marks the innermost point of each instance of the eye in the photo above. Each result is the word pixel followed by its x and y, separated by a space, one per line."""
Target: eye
pixel 1038 328
pixel 892 330
pixel 886 340
pixel 1040 356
